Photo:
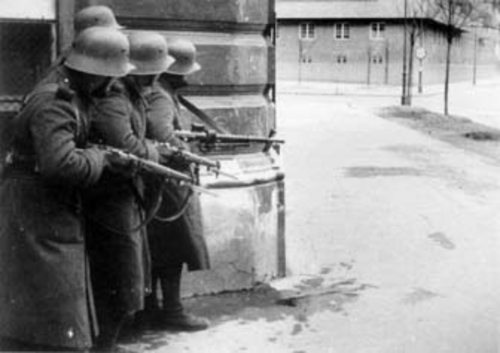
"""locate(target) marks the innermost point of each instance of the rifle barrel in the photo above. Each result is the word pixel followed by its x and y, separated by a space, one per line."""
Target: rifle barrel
pixel 191 157
pixel 209 137
pixel 162 170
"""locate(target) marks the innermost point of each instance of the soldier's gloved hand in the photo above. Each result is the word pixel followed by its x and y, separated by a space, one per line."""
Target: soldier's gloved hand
pixel 166 154
pixel 118 164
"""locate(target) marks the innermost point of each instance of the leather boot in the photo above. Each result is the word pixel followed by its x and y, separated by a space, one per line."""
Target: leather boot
pixel 172 316
pixel 109 331
pixel 146 318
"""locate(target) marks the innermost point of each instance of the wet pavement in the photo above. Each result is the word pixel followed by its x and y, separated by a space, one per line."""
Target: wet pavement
pixel 392 237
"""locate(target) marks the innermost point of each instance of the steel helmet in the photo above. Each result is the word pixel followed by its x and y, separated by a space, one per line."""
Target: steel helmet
pixel 100 51
pixel 149 53
pixel 184 53
pixel 95 16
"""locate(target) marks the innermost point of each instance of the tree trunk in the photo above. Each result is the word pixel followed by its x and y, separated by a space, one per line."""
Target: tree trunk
pixel 449 42
pixel 447 75
pixel 410 64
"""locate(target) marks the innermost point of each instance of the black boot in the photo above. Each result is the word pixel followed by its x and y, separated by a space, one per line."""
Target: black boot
pixel 146 318
pixel 109 330
pixel 172 316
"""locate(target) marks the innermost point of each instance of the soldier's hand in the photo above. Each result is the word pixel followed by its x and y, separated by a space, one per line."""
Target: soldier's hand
pixel 166 154
pixel 118 164
pixel 171 157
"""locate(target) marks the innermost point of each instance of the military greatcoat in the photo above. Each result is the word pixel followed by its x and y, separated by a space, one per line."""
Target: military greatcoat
pixel 45 296
pixel 117 243
pixel 180 241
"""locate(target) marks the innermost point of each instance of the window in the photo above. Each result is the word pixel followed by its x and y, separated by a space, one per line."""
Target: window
pixel 27 50
pixel 306 30
pixel 306 59
pixel 341 59
pixel 341 31
pixel 377 30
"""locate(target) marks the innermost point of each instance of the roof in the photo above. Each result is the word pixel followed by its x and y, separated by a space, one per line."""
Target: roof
pixel 340 9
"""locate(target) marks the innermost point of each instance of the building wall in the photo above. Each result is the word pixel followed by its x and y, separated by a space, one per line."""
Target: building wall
pixel 244 221
pixel 377 61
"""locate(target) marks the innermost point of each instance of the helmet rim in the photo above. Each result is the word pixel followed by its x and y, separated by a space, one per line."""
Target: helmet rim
pixel 94 66
pixel 155 68
pixel 100 51
pixel 183 68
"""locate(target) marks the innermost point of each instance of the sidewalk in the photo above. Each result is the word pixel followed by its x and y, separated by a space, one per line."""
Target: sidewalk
pixel 330 88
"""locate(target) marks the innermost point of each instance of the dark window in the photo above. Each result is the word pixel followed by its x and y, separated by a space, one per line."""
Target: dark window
pixel 377 30
pixel 341 31
pixel 25 53
pixel 341 59
pixel 377 59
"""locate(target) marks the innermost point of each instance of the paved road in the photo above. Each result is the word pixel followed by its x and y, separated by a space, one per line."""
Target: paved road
pixel 396 231
pixel 413 216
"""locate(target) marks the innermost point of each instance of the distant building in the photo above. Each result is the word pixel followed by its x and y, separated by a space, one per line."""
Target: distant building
pixel 362 41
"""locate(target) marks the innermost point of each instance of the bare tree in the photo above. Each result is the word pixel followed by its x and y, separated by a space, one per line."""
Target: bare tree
pixel 415 15
pixel 455 14
pixel 414 12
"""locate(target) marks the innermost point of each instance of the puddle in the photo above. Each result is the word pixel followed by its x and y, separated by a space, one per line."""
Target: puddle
pixel 419 295
pixel 482 136
pixel 442 240
pixel 297 328
pixel 372 171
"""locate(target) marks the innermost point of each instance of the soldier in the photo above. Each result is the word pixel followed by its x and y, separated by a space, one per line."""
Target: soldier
pixel 44 289
pixel 179 241
pixel 114 207
pixel 92 16
pixel 95 16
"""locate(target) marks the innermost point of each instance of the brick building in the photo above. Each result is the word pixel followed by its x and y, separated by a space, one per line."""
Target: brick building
pixel 362 41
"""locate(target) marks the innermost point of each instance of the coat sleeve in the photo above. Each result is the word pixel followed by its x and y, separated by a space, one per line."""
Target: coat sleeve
pixel 112 119
pixel 54 129
pixel 161 114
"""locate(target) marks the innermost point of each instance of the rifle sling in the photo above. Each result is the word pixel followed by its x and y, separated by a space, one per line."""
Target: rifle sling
pixel 201 115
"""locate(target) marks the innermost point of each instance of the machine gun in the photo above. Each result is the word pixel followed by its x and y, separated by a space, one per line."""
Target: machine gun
pixel 209 139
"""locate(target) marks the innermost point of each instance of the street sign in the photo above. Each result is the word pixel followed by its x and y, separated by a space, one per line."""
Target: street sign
pixel 420 53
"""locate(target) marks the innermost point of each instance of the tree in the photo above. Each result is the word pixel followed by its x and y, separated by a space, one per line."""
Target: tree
pixel 413 17
pixel 455 14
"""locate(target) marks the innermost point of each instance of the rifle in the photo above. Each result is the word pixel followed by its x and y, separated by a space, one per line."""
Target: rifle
pixel 201 134
pixel 210 164
pixel 150 167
